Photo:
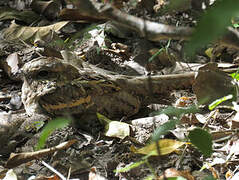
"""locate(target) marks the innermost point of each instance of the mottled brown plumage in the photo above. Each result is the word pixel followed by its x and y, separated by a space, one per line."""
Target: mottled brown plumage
pixel 54 87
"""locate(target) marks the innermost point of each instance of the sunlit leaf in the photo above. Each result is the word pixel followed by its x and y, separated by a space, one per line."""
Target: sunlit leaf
pixel 130 166
pixel 209 52
pixel 235 75
pixel 219 101
pixel 166 146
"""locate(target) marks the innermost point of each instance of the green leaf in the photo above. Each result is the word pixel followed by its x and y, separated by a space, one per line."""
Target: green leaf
pixel 177 112
pixel 51 127
pixel 235 25
pixel 209 178
pixel 164 129
pixel 212 24
pixel 150 177
pixel 103 119
pixel 202 140
pixel 176 178
pixel 235 75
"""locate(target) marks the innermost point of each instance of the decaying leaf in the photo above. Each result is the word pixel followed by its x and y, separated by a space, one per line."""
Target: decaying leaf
pixel 33 34
pixel 212 84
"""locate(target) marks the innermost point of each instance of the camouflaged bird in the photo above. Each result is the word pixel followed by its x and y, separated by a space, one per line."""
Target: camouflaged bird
pixel 53 87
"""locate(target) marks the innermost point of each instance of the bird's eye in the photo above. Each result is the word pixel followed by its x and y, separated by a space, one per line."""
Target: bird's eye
pixel 43 74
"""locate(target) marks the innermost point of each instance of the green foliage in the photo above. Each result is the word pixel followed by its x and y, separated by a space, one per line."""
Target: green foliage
pixel 235 25
pixel 219 101
pixel 209 178
pixel 202 140
pixel 235 22
pixel 213 24
pixel 164 129
pixel 177 112
pixel 155 55
pixel 150 177
pixel 235 75
pixel 176 178
pixel 50 128
pixel 131 166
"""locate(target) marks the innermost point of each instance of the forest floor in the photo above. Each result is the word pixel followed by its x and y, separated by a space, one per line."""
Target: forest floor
pixel 90 152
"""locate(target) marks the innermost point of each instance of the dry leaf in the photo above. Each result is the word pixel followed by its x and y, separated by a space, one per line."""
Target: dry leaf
pixel 211 84
pixel 33 34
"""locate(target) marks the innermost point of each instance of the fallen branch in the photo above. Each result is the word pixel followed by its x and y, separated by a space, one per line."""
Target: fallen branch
pixel 151 30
